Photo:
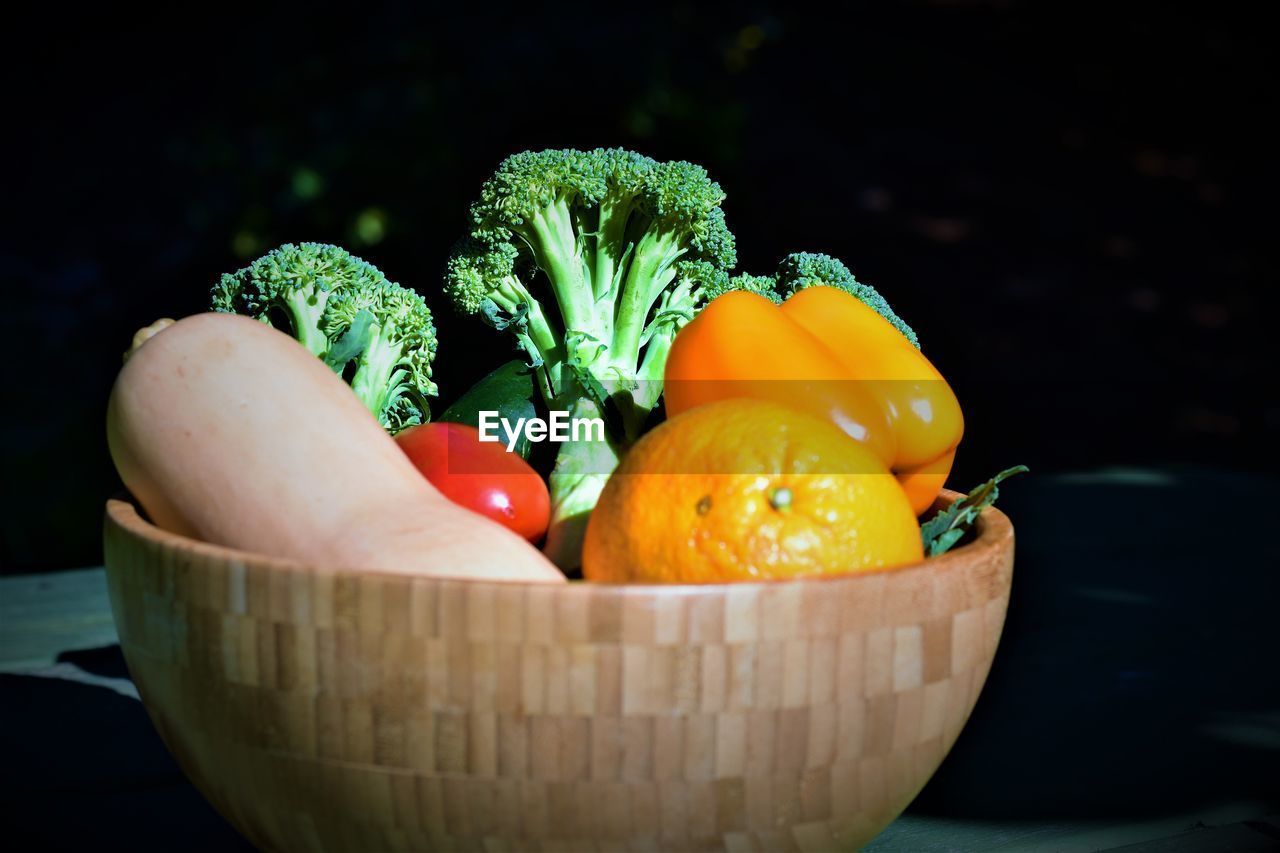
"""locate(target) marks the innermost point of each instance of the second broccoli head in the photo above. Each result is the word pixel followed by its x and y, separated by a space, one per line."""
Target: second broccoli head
pixel 373 332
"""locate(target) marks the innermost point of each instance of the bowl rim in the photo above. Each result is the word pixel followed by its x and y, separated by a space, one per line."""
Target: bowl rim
pixel 994 534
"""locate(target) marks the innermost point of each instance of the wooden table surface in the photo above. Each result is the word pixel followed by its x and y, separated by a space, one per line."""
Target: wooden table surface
pixel 79 741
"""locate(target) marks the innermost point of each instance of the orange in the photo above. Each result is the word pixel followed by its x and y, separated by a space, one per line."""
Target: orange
pixel 748 490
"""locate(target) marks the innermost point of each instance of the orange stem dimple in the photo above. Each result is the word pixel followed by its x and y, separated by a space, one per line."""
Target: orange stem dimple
pixel 780 498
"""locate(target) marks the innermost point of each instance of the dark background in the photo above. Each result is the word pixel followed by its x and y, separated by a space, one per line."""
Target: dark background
pixel 1074 208
pixel 1075 211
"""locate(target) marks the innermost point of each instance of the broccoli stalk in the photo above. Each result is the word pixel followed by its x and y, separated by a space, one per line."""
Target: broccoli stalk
pixel 627 249
pixel 347 313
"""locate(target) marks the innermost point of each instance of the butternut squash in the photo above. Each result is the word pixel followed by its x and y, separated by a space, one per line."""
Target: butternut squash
pixel 231 432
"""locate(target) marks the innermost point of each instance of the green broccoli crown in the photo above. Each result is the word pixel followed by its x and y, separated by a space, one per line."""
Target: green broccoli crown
pixel 702 277
pixel 389 328
pixel 304 269
pixel 682 198
pixel 619 173
pixel 526 184
pixel 562 208
pixel 807 269
pixel 714 241
pixel 344 310
pixel 476 270
pixel 603 233
pixel 705 281
pixel 764 285
pixel 402 317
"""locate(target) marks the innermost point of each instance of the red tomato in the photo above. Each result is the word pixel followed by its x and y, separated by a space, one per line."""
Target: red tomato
pixel 481 476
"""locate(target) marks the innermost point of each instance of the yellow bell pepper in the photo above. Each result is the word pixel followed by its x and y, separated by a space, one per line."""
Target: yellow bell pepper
pixel 825 352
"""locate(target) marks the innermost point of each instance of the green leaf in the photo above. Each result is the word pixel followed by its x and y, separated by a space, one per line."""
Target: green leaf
pixel 949 526
pixel 351 344
pixel 931 531
pixel 509 391
pixel 674 316
pixel 595 391
pixel 592 388
pixel 573 341
pixel 492 314
pixel 590 384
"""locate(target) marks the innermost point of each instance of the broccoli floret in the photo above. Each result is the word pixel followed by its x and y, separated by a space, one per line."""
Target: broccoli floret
pixel 806 269
pixel 481 279
pixel 764 285
pixel 347 313
pixel 390 329
pixel 609 236
pixel 293 281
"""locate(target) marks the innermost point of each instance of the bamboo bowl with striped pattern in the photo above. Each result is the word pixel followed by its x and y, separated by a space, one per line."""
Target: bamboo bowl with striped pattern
pixel 325 709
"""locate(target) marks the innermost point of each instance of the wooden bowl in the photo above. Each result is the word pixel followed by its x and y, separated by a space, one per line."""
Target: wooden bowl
pixel 323 709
